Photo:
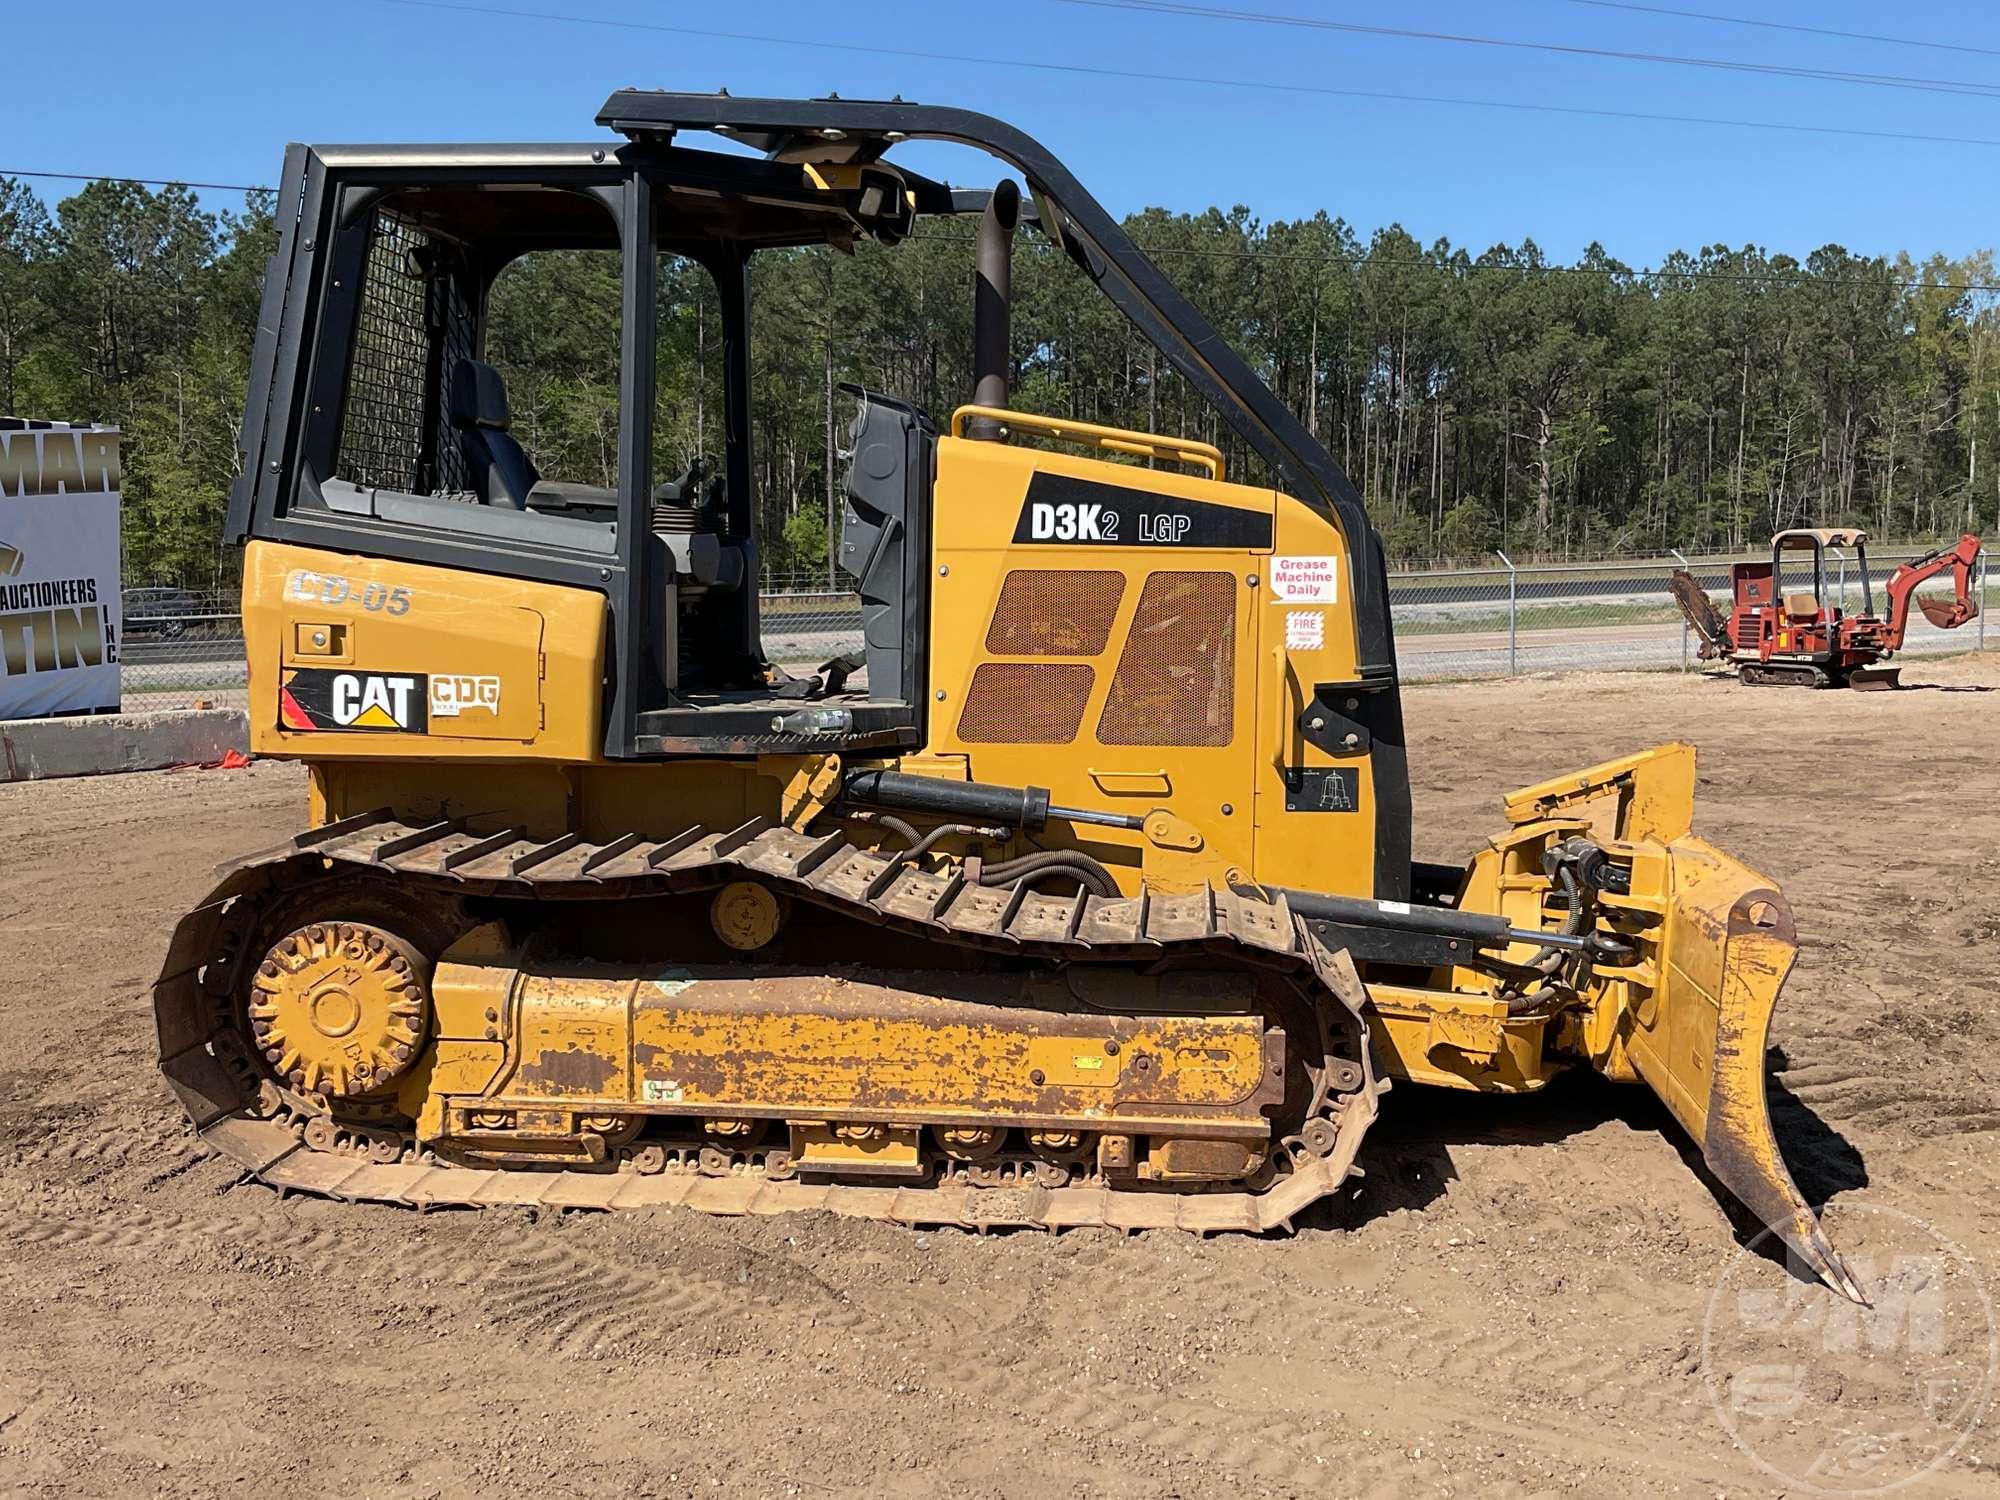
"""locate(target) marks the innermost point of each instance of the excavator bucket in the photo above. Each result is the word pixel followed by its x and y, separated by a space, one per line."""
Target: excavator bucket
pixel 1948 614
pixel 1692 1018
pixel 1701 613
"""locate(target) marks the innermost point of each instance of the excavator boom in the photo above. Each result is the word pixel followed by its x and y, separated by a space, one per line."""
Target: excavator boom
pixel 1960 559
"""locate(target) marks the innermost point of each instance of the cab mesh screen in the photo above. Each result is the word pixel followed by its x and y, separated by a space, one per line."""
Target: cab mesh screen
pixel 414 324
pixel 1025 703
pixel 1176 676
pixel 382 419
pixel 1054 612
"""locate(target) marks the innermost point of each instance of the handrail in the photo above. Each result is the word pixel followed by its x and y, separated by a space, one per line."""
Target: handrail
pixel 1115 439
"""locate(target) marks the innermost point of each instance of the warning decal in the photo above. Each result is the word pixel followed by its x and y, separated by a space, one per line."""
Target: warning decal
pixel 1305 580
pixel 1305 629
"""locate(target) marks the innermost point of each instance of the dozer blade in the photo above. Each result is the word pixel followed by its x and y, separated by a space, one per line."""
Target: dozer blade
pixel 1699 1038
pixel 1875 679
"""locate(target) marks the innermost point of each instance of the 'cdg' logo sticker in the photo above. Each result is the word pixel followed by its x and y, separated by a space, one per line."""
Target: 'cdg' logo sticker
pixel 452 695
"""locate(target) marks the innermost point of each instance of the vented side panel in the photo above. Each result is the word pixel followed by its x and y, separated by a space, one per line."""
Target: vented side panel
pixel 1026 703
pixel 1176 677
pixel 1055 612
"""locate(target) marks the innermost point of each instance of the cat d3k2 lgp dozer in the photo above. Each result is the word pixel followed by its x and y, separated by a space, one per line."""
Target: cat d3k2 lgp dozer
pixel 1776 635
pixel 1081 895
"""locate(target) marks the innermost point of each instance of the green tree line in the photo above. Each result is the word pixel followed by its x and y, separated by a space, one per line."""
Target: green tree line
pixel 1478 401
pixel 135 307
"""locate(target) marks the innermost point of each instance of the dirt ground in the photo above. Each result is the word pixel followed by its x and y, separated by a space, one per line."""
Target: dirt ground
pixel 1510 1304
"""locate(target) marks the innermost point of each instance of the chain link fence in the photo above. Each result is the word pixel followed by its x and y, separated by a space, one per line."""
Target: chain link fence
pixel 1494 621
pixel 181 650
pixel 1612 616
pixel 1450 624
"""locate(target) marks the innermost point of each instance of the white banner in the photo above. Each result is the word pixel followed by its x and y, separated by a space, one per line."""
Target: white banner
pixel 59 607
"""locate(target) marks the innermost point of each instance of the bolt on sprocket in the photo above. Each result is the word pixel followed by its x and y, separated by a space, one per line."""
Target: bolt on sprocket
pixel 339 1008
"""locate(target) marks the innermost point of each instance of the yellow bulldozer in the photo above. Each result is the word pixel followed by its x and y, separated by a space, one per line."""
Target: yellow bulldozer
pixel 1081 894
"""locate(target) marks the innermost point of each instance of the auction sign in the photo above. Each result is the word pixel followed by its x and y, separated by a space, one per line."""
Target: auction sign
pixel 59 613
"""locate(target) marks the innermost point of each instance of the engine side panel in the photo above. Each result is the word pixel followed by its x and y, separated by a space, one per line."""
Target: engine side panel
pixel 1139 640
pixel 367 658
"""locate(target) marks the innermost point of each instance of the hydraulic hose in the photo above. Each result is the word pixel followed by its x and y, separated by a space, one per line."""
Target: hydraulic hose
pixel 916 848
pixel 1549 960
pixel 1087 872
pixel 924 845
pixel 904 831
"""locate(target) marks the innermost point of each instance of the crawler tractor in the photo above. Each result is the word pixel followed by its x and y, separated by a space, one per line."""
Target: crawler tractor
pixel 1081 894
pixel 1778 637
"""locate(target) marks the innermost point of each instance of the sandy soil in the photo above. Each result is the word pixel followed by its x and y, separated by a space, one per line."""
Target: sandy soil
pixel 1511 1304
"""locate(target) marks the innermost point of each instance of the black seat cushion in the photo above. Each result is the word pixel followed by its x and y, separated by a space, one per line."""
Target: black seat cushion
pixel 499 468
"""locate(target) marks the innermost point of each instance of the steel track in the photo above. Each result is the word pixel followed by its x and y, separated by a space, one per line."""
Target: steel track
pixel 246 1117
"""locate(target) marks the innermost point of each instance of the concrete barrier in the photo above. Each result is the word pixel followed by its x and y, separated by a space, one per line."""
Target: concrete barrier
pixel 88 744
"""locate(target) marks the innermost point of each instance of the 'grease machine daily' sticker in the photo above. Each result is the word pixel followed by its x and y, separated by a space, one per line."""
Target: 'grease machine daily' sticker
pixel 1305 580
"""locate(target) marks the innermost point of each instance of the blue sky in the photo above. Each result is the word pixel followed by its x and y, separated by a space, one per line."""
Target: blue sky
pixel 213 89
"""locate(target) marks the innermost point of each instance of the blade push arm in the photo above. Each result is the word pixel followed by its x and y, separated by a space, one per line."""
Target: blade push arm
pixel 1905 581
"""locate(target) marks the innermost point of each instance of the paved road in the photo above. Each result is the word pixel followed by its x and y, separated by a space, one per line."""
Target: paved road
pixel 807 639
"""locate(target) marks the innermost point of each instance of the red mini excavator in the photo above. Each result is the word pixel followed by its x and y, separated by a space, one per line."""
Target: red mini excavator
pixel 1778 638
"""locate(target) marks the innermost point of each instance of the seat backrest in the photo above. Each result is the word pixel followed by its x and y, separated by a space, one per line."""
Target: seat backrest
pixel 499 466
pixel 1801 606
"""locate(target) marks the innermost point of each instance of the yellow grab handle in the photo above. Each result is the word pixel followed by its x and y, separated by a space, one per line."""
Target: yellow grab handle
pixel 1089 434
pixel 1294 694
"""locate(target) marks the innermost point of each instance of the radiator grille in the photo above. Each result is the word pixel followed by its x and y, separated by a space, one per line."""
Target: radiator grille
pixel 1175 683
pixel 1025 703
pixel 1054 612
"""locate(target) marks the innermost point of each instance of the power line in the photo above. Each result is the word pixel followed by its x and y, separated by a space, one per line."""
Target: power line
pixel 1252 85
pixel 1219 253
pixel 1848 36
pixel 220 187
pixel 1959 86
pixel 1650 118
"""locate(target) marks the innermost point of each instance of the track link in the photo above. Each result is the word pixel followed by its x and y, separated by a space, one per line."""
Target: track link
pixel 1783 674
pixel 243 1115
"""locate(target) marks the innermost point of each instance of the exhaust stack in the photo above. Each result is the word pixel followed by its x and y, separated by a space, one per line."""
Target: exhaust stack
pixel 992 304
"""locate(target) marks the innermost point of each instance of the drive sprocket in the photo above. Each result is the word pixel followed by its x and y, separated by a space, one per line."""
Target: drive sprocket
pixel 339 1008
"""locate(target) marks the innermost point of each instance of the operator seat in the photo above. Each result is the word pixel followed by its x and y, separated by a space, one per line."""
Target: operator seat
pixel 496 465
